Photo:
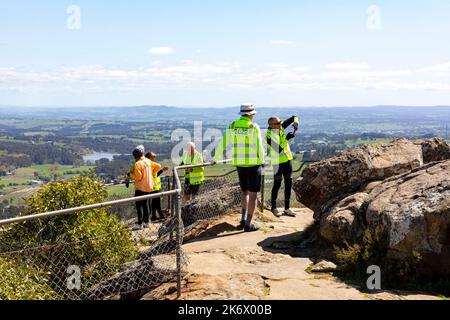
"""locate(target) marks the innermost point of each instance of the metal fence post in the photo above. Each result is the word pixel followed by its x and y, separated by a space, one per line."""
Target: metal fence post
pixel 169 200
pixel 262 188
pixel 179 241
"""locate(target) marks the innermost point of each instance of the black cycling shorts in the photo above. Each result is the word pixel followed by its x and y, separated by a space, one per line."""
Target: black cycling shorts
pixel 250 178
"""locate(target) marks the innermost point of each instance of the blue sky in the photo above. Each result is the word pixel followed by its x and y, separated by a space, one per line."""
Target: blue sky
pixel 221 53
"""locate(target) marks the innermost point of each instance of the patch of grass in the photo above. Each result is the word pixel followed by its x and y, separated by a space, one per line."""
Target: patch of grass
pixel 143 242
pixel 354 259
pixel 278 279
pixel 309 269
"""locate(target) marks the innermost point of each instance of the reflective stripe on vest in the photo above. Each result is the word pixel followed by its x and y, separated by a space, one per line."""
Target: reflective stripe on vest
pixel 279 139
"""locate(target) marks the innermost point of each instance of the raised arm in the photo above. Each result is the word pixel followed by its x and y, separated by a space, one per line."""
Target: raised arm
pixel 292 120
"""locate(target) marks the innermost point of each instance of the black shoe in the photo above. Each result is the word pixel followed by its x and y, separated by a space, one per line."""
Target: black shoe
pixel 241 226
pixel 251 228
pixel 153 219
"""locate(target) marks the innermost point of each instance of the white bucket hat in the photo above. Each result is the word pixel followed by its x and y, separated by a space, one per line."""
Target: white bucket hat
pixel 247 109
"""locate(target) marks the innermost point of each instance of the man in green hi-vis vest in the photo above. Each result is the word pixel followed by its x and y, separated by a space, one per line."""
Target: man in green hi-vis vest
pixel 281 159
pixel 244 136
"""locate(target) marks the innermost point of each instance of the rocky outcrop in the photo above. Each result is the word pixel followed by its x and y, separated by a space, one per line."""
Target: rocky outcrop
pixel 325 183
pixel 412 212
pixel 400 191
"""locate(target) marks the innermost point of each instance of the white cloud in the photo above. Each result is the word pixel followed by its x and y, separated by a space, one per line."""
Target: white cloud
pixel 443 67
pixel 278 65
pixel 226 75
pixel 347 65
pixel 280 42
pixel 301 69
pixel 161 51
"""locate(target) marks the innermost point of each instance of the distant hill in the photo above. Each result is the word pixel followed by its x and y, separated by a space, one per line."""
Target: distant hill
pixel 151 113
pixel 392 120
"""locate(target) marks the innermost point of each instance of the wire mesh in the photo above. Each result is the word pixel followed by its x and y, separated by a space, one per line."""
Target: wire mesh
pixel 67 258
pixel 217 196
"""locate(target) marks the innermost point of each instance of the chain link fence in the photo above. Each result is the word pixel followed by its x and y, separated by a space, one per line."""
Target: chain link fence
pixel 217 195
pixel 116 263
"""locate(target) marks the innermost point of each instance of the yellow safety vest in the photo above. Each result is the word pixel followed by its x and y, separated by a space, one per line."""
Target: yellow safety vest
pixel 245 139
pixel 158 185
pixel 278 139
pixel 196 176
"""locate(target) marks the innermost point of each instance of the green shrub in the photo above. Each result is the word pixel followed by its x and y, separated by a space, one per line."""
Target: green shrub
pixel 21 282
pixel 96 242
pixel 355 258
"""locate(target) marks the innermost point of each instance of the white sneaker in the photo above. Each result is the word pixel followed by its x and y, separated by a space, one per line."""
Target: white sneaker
pixel 290 213
pixel 137 227
pixel 145 225
pixel 276 212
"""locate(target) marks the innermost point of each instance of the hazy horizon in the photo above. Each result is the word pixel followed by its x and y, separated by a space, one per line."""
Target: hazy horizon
pixel 218 107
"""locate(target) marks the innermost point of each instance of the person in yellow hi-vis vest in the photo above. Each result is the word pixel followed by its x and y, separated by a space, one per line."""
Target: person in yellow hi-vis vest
pixel 248 157
pixel 155 203
pixel 281 159
pixel 193 177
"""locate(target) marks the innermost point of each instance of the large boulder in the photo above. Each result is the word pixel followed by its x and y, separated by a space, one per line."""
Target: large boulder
pixel 434 149
pixel 412 212
pixel 342 222
pixel 325 183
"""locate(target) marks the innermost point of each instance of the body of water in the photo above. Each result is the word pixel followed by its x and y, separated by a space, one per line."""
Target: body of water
pixel 91 158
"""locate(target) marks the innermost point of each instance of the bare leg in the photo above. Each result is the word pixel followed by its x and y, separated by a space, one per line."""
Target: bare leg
pixel 251 206
pixel 244 200
pixel 244 205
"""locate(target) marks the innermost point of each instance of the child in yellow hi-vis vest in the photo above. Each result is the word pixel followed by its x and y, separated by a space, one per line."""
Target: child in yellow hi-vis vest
pixel 155 203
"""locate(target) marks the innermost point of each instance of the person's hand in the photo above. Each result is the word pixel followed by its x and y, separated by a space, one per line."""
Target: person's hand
pixel 189 170
pixel 295 125
pixel 213 162
pixel 290 135
pixel 165 169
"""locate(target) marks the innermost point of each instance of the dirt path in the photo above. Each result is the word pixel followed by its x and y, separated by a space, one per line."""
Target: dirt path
pixel 228 264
